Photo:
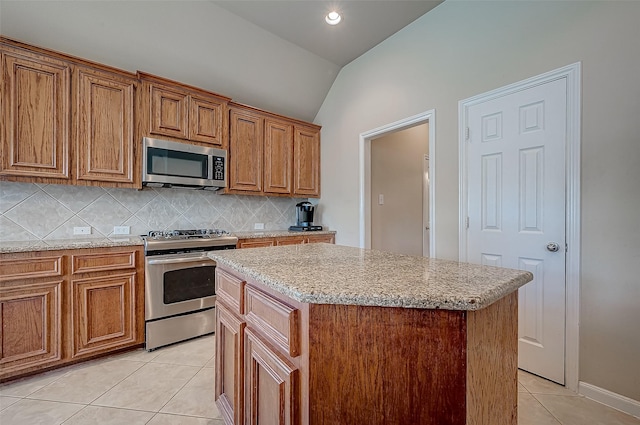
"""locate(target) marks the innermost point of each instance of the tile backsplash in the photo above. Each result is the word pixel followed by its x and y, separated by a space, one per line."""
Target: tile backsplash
pixel 46 211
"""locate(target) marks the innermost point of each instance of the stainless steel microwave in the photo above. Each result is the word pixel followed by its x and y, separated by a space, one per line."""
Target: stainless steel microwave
pixel 168 164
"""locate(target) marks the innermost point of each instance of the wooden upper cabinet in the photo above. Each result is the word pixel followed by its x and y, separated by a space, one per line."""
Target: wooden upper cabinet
pixel 36 112
pixel 306 162
pixel 104 126
pixel 278 156
pixel 206 120
pixel 177 111
pixel 245 150
pixel 169 112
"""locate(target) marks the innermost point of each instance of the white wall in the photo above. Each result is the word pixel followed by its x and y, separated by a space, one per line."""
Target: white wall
pixel 193 42
pixel 461 49
pixel 397 162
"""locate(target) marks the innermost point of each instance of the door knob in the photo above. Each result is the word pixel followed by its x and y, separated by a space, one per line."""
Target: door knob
pixel 553 247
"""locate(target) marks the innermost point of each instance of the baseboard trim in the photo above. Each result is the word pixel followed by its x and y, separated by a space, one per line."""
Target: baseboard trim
pixel 617 401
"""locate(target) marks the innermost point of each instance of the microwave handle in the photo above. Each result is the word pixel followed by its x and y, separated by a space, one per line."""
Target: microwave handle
pixel 210 171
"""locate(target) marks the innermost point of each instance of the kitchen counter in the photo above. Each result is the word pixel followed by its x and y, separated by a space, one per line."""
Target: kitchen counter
pixel 331 334
pixel 55 244
pixel 334 274
pixel 279 234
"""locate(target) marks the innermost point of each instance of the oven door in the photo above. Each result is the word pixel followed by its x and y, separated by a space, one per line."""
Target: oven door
pixel 178 283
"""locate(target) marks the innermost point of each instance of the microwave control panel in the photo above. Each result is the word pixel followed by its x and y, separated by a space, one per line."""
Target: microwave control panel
pixel 218 168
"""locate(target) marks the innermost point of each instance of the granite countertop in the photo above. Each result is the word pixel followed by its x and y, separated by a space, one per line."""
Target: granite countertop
pixel 279 233
pixel 334 274
pixel 54 244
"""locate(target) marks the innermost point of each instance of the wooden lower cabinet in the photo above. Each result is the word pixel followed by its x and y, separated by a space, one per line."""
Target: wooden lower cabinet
pixel 285 240
pixel 31 331
pixel 229 364
pixel 58 307
pixel 364 364
pixel 270 380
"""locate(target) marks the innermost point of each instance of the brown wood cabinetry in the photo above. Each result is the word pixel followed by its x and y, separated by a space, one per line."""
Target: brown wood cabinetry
pixel 36 116
pixel 104 126
pixel 172 110
pixel 272 155
pixel 306 162
pixel 245 150
pixel 285 240
pixel 69 121
pixel 278 156
pixel 258 340
pixel 31 292
pixel 62 306
pixel 357 364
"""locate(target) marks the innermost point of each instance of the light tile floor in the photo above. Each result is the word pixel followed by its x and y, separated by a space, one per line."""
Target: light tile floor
pixel 174 386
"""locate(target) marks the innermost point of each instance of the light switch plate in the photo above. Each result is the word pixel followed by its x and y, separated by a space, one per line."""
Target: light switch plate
pixel 121 230
pixel 258 226
pixel 381 199
pixel 82 230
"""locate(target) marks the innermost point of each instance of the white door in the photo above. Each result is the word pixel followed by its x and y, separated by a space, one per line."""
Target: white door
pixel 516 201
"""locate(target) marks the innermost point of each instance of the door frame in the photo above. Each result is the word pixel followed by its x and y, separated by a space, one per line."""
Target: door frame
pixel 572 74
pixel 365 173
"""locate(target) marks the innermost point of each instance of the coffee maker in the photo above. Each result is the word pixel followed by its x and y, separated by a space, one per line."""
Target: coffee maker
pixel 304 218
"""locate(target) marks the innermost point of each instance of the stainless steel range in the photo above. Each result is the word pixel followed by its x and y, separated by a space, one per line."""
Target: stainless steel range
pixel 180 283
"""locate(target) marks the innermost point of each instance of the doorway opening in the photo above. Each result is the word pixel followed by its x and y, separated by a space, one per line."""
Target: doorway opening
pixel 397 197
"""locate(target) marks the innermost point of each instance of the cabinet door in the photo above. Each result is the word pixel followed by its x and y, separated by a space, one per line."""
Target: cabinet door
pixel 306 162
pixel 245 151
pixel 255 243
pixel 278 156
pixel 169 112
pixel 321 238
pixel 104 126
pixel 272 391
pixel 31 328
pixel 103 310
pixel 35 103
pixel 229 365
pixel 290 240
pixel 206 123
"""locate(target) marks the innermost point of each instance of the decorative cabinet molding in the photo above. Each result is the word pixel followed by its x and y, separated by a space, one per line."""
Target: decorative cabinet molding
pixel 62 306
pixel 278 157
pixel 176 111
pixel 229 365
pixel 104 126
pixel 73 121
pixel 272 155
pixel 31 326
pixel 306 162
pixel 36 112
pixel 69 121
pixel 245 150
pixel 285 240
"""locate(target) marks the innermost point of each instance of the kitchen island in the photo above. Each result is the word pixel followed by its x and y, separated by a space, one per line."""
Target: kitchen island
pixel 327 334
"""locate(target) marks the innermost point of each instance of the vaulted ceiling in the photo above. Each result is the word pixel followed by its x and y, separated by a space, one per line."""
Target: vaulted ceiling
pixel 276 55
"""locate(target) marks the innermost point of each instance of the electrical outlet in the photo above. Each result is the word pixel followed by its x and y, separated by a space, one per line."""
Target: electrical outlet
pixel 121 230
pixel 82 230
pixel 258 226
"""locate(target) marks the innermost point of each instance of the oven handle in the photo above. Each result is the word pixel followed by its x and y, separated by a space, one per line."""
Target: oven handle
pixel 179 260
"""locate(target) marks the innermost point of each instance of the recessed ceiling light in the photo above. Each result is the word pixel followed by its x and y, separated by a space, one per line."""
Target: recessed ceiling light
pixel 333 18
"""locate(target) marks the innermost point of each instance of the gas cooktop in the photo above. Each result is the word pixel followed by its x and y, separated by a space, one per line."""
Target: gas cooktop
pixel 184 240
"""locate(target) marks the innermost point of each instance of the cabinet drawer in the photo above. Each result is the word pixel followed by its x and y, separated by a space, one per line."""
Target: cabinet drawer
pixel 26 268
pixel 230 290
pixel 255 243
pixel 86 263
pixel 274 319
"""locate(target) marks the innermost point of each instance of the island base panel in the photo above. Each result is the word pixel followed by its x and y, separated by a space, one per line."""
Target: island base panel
pixel 377 365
